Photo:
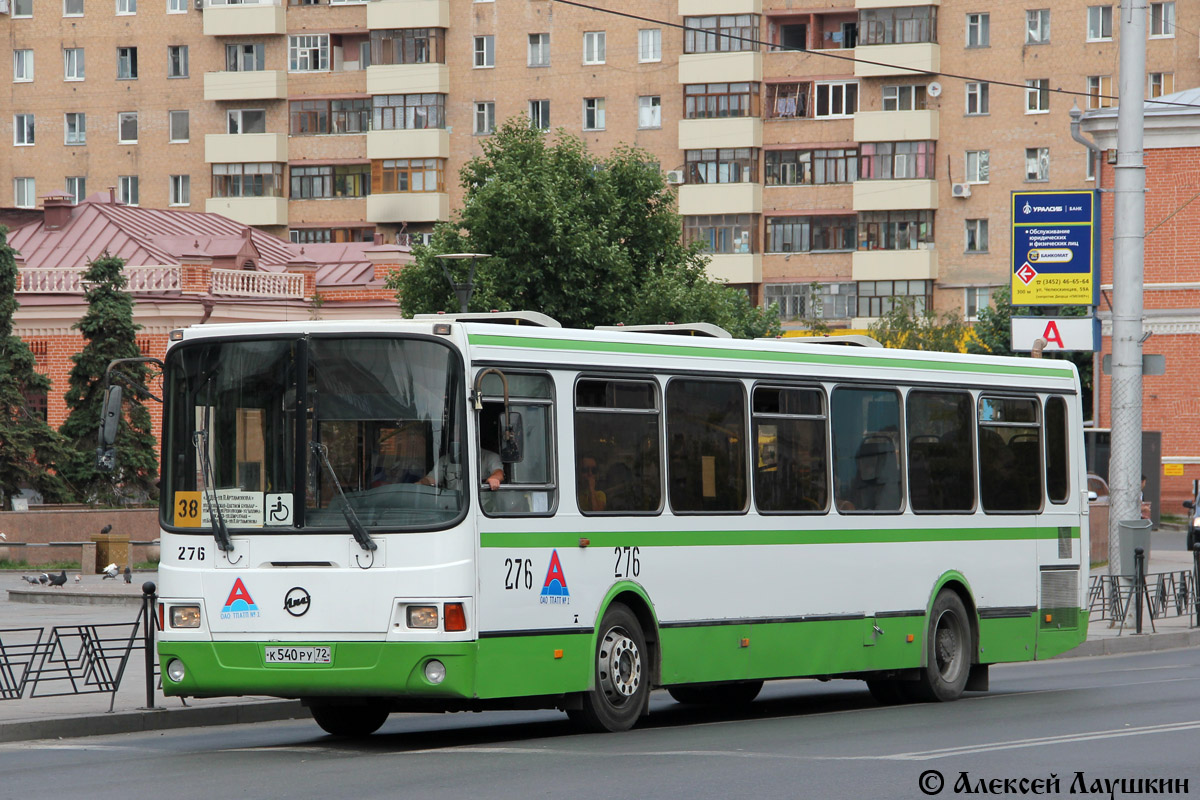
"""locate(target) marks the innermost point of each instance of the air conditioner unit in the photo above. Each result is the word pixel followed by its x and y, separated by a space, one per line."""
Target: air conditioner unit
pixel 961 190
pixel 675 177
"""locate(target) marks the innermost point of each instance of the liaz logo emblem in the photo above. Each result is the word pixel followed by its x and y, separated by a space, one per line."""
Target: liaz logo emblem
pixel 239 604
pixel 554 590
pixel 297 601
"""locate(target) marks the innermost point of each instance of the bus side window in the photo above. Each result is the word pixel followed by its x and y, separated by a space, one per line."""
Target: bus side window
pixel 791 464
pixel 866 453
pixel 706 437
pixel 618 455
pixel 528 485
pixel 1058 482
pixel 941 464
pixel 1009 454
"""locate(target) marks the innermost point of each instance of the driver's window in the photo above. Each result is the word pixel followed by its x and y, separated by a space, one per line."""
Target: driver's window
pixel 527 485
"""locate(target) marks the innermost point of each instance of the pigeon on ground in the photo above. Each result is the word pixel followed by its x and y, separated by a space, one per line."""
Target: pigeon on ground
pixel 106 529
pixel 111 571
pixel 77 579
pixel 128 575
pixel 30 579
pixel 59 580
pixel 43 579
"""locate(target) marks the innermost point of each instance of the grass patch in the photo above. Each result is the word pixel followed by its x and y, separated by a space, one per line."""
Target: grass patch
pixel 56 566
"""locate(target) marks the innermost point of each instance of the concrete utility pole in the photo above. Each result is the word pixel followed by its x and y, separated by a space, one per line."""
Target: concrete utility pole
pixel 1129 233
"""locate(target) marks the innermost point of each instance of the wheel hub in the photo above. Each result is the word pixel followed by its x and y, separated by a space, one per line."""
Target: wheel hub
pixel 620 666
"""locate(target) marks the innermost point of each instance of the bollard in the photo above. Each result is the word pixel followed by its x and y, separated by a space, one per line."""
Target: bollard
pixel 1196 580
pixel 148 603
pixel 1139 585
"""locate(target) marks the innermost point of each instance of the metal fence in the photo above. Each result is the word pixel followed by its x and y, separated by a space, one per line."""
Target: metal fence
pixel 1162 594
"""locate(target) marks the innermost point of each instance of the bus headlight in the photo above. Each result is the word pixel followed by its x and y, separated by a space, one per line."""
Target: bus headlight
pixel 185 616
pixel 175 670
pixel 422 617
pixel 435 671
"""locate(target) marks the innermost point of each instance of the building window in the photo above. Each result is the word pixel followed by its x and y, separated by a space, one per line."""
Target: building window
pixel 1037 96
pixel 179 126
pixel 812 300
pixel 649 45
pixel 977 166
pixel 896 160
pixel 539 49
pixel 308 53
pixel 73 64
pixel 720 34
pixel 398 175
pixel 75 128
pixel 177 61
pixel 876 298
pixel 1099 23
pixel 539 114
pixel 127 189
pixel 127 69
pixel 895 230
pixel 127 127
pixel 904 25
pixel 722 165
pixel 720 100
pixel 177 6
pixel 22 66
pixel 409 46
pixel 181 190
pixel 810 167
pixel 977 235
pixel 72 8
pixel 77 188
pixel 824 233
pixel 1162 20
pixel 723 233
pixel 593 113
pixel 246 120
pixel 126 7
pixel 1037 26
pixel 1161 83
pixel 23 130
pixel 247 180
pixel 394 112
pixel 977 30
pixel 789 100
pixel 326 181
pixel 650 111
pixel 248 57
pixel 312 117
pixel 1037 163
pixel 24 193
pixel 22 8
pixel 485 118
pixel 788 35
pixel 975 299
pixel 325 235
pixel 485 52
pixel 904 98
pixel 1089 170
pixel 977 99
pixel 593 47
pixel 838 99
pixel 1099 91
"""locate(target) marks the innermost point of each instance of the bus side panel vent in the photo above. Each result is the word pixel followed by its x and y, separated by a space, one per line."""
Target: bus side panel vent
pixel 1060 599
pixel 1064 541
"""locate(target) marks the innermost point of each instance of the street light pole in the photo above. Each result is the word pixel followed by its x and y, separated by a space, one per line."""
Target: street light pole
pixel 461 290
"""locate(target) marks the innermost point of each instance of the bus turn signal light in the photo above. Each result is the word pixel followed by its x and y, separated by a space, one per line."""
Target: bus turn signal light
pixel 456 618
pixel 911 638
pixel 1049 618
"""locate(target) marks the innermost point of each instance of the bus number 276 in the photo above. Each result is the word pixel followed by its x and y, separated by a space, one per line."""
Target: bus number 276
pixel 518 571
pixel 631 567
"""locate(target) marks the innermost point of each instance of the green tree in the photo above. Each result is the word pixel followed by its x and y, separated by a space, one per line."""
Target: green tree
pixel 29 448
pixel 587 240
pixel 111 333
pixel 908 327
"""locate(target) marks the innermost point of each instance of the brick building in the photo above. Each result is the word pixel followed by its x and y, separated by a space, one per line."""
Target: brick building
pixel 868 147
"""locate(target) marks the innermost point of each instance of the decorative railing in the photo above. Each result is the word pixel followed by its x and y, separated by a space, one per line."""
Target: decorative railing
pixel 138 280
pixel 246 283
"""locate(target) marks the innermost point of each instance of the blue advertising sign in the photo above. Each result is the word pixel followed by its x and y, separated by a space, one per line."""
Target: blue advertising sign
pixel 1054 248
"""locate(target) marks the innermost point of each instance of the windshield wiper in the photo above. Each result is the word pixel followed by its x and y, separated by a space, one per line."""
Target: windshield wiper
pixel 220 532
pixel 361 536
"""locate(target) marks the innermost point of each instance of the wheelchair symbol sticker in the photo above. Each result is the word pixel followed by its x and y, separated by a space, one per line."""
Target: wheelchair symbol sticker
pixel 278 509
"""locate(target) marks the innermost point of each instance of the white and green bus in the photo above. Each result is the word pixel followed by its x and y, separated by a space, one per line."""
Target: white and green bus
pixel 700 514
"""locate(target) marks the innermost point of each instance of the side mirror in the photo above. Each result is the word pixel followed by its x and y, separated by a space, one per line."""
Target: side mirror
pixel 512 437
pixel 110 417
pixel 1189 504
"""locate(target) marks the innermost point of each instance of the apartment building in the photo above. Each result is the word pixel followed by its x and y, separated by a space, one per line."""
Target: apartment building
pixel 831 156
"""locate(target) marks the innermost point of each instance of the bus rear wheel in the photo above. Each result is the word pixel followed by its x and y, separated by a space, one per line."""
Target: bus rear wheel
pixel 621 677
pixel 717 694
pixel 948 652
pixel 349 720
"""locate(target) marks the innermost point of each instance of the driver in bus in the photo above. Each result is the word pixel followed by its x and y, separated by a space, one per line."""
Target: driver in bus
pixel 490 466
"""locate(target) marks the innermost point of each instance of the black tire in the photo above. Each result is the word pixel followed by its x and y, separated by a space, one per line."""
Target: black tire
pixel 621 675
pixel 887 692
pixel 349 720
pixel 949 650
pixel 717 694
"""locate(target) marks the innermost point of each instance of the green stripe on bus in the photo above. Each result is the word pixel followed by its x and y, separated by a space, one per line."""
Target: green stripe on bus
pixel 761 355
pixel 751 537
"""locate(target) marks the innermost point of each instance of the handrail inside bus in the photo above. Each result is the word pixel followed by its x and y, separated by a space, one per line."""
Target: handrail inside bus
pixel 684 329
pixel 534 318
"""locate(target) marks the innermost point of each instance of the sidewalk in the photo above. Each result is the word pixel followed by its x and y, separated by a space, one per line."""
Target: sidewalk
pixel 95 601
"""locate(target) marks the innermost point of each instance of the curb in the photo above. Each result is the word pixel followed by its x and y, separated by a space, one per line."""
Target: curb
pixel 34 596
pixel 1134 643
pixel 152 720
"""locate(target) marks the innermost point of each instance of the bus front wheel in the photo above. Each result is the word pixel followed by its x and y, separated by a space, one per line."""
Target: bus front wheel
pixel 948 651
pixel 349 720
pixel 621 677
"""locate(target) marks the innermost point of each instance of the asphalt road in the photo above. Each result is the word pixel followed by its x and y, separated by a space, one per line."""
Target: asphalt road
pixel 1110 718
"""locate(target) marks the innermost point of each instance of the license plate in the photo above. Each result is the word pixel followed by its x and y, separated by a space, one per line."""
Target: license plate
pixel 297 655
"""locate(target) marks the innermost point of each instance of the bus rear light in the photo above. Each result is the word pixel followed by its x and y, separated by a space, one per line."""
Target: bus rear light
pixel 185 616
pixel 422 616
pixel 456 617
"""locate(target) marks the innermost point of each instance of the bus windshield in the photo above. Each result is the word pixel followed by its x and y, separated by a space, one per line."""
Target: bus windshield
pixel 296 428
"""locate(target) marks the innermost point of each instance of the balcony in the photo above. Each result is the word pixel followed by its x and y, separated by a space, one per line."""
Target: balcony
pixel 426 143
pixel 908 59
pixel 408 207
pixel 408 79
pixel 736 267
pixel 233 148
pixel 740 67
pixel 249 283
pixel 244 19
pixel 895 195
pixel 895 265
pixel 895 126
pixel 250 210
pixel 697 134
pixel 269 84
pixel 720 198
pixel 397 14
pixel 712 8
